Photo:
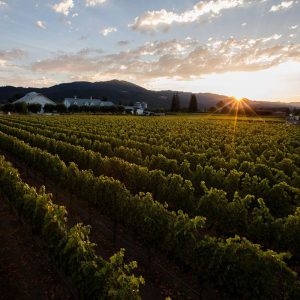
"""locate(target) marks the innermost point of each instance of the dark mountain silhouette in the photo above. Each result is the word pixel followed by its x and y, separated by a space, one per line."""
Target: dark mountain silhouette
pixel 122 92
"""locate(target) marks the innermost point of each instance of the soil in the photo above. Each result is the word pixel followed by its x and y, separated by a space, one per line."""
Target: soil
pixel 25 271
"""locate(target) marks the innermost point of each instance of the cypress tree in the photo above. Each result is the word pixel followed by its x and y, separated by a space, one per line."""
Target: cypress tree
pixel 193 107
pixel 175 107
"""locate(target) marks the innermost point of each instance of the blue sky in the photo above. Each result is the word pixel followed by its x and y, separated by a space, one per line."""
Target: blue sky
pixel 235 47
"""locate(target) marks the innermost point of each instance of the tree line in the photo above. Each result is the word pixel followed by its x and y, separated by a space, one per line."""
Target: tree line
pixel 23 108
pixel 176 106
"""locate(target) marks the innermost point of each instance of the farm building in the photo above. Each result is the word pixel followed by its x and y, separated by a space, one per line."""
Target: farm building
pixel 35 98
pixel 87 102
pixel 137 109
pixel 140 105
pixel 293 120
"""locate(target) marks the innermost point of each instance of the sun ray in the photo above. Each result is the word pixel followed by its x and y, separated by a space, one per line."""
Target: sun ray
pixel 252 110
pixel 237 104
pixel 220 108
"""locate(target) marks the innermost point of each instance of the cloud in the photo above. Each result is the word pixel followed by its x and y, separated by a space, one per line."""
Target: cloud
pixel 89 3
pixel 244 24
pixel 83 37
pixel 175 59
pixel 293 27
pixel 2 4
pixel 26 80
pixel 154 20
pixel 41 24
pixel 106 31
pixel 85 58
pixel 123 43
pixel 63 7
pixel 282 5
pixel 8 58
pixel 270 38
pixel 75 15
pixel 12 54
pixel 87 51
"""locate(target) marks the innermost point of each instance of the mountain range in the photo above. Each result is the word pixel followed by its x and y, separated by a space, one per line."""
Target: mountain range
pixel 125 93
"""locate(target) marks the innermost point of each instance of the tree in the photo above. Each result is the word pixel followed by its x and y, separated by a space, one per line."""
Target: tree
pixel 49 108
pixel 225 110
pixel 220 105
pixel 175 107
pixel 61 108
pixel 8 107
pixel 21 107
pixel 120 108
pixel 74 108
pixel 34 107
pixel 193 107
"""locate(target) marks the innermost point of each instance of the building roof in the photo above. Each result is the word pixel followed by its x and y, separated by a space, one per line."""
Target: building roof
pixel 34 97
pixel 87 102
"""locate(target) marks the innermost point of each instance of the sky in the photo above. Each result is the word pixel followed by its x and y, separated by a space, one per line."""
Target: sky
pixel 237 48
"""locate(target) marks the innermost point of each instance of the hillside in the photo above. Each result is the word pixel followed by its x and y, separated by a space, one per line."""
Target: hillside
pixel 121 92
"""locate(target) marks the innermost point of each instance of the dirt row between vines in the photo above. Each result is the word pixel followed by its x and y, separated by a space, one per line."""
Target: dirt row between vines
pixel 25 270
pixel 163 277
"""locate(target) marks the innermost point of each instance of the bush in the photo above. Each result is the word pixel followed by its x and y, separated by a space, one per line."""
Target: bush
pixel 61 108
pixel 21 107
pixel 74 108
pixel 34 107
pixel 8 107
pixel 49 108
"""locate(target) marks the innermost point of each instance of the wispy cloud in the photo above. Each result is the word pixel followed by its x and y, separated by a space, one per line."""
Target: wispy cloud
pixel 274 37
pixel 63 7
pixel 28 81
pixel 83 37
pixel 154 20
pixel 12 54
pixel 41 24
pixel 8 60
pixel 2 4
pixel 94 2
pixel 283 5
pixel 106 31
pixel 293 27
pixel 123 43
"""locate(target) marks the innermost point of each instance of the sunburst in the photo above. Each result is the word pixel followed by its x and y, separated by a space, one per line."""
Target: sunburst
pixel 236 107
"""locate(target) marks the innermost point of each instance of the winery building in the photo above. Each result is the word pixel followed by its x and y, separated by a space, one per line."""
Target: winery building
pixel 87 102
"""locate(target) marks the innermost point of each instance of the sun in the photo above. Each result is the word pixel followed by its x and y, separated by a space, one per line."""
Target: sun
pixel 238 99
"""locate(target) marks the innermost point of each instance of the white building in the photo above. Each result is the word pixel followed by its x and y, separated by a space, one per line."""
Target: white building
pixel 293 120
pixel 87 102
pixel 137 109
pixel 35 98
pixel 140 105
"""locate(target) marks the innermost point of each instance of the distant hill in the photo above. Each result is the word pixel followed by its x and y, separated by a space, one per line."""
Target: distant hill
pixel 123 92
